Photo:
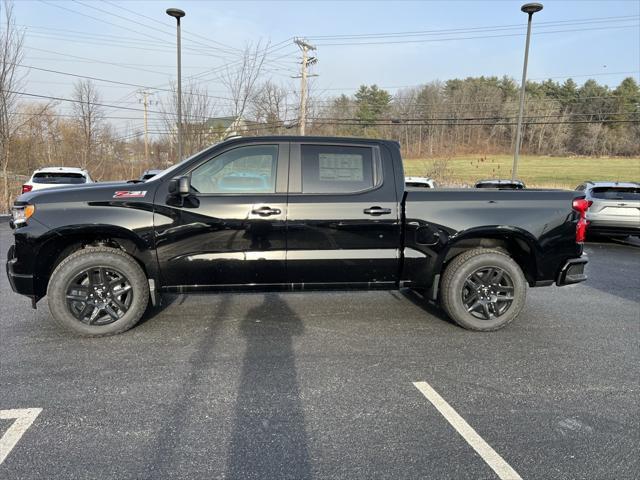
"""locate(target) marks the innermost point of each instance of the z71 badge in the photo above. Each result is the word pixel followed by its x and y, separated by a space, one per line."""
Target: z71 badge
pixel 130 194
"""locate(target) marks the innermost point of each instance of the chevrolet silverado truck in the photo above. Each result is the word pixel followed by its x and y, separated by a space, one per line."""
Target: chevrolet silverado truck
pixel 290 213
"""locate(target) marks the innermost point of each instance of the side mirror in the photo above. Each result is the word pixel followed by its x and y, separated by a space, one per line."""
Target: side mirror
pixel 184 186
pixel 180 186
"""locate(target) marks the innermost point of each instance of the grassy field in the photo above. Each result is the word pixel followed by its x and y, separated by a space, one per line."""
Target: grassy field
pixel 540 171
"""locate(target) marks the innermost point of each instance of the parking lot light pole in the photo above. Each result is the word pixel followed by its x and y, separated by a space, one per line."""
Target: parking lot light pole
pixel 529 9
pixel 178 14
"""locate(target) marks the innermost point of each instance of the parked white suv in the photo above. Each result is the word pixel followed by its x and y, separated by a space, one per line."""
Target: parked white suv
pixel 614 207
pixel 419 182
pixel 56 177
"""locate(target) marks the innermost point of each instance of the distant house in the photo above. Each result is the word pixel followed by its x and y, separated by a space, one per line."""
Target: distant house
pixel 223 127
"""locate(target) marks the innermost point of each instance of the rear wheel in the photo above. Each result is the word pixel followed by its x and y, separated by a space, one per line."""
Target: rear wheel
pixel 483 289
pixel 98 291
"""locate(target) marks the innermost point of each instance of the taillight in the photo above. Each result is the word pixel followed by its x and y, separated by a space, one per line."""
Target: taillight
pixel 27 188
pixel 581 205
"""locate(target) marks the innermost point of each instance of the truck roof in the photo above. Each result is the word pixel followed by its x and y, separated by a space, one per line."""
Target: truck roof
pixel 303 138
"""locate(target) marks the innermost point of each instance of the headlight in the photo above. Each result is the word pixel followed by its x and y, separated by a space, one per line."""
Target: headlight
pixel 21 213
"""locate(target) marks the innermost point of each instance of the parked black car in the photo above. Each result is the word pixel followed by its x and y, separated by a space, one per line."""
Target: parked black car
pixel 501 184
pixel 147 174
pixel 290 213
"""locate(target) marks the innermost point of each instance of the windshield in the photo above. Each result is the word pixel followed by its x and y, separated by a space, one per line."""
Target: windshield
pixel 616 193
pixel 63 178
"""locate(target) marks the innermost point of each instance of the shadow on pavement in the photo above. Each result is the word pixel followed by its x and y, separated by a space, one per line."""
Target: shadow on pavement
pixel 432 309
pixel 166 300
pixel 269 438
pixel 196 374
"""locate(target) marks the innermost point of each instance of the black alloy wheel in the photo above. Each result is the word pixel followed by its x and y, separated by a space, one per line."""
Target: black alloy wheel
pixel 488 293
pixel 99 295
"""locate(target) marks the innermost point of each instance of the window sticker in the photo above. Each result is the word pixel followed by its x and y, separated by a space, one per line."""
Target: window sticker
pixel 341 166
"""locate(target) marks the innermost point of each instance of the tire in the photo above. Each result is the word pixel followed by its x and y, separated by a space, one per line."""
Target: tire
pixel 492 308
pixel 118 285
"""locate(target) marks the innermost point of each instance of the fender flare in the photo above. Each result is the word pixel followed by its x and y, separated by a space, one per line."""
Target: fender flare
pixel 498 232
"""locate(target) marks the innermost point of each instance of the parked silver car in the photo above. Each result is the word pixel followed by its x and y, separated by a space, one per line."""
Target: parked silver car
pixel 614 208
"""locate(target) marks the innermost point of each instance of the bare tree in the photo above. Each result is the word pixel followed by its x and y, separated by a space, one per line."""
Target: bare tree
pixel 241 80
pixel 197 109
pixel 89 116
pixel 11 54
pixel 270 106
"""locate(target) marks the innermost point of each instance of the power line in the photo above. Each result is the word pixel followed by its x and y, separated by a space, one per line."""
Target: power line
pixel 535 78
pixel 220 68
pixel 115 24
pixel 512 26
pixel 287 123
pixel 499 103
pixel 202 76
pixel 568 122
pixel 116 82
pixel 67 115
pixel 104 61
pixel 99 104
pixel 119 43
pixel 473 37
pixel 115 64
pixel 468 118
pixel 45 59
pixel 184 33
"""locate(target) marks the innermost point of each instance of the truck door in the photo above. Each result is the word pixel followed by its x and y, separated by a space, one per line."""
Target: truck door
pixel 231 230
pixel 343 222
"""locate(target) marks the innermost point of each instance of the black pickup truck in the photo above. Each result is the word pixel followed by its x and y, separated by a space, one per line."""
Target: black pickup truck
pixel 290 213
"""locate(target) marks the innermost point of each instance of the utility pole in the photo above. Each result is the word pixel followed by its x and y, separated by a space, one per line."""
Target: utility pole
pixel 145 103
pixel 306 61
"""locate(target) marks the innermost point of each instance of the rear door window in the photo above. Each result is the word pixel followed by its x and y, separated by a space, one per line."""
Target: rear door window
pixel 337 169
pixel 616 193
pixel 62 178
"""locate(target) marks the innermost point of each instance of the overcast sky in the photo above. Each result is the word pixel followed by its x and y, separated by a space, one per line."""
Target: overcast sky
pixel 581 39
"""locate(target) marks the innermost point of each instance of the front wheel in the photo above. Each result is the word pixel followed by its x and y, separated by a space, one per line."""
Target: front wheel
pixel 98 291
pixel 483 289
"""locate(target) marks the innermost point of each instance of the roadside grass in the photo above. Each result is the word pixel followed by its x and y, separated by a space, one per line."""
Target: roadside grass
pixel 535 171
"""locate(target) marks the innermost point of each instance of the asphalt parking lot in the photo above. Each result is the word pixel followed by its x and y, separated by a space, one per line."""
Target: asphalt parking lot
pixel 321 385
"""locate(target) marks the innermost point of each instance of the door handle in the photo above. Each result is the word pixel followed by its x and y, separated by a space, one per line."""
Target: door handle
pixel 266 211
pixel 375 211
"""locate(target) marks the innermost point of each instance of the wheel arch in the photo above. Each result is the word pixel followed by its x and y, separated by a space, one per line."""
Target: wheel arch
pixel 517 243
pixel 63 242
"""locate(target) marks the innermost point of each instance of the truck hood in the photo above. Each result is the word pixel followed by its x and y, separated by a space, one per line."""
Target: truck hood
pixel 93 192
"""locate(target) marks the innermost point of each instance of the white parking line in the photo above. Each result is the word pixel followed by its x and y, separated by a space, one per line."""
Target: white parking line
pixel 24 418
pixel 488 454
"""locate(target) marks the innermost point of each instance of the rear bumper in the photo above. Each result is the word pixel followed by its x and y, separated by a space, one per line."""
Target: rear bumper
pixel 573 271
pixel 20 283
